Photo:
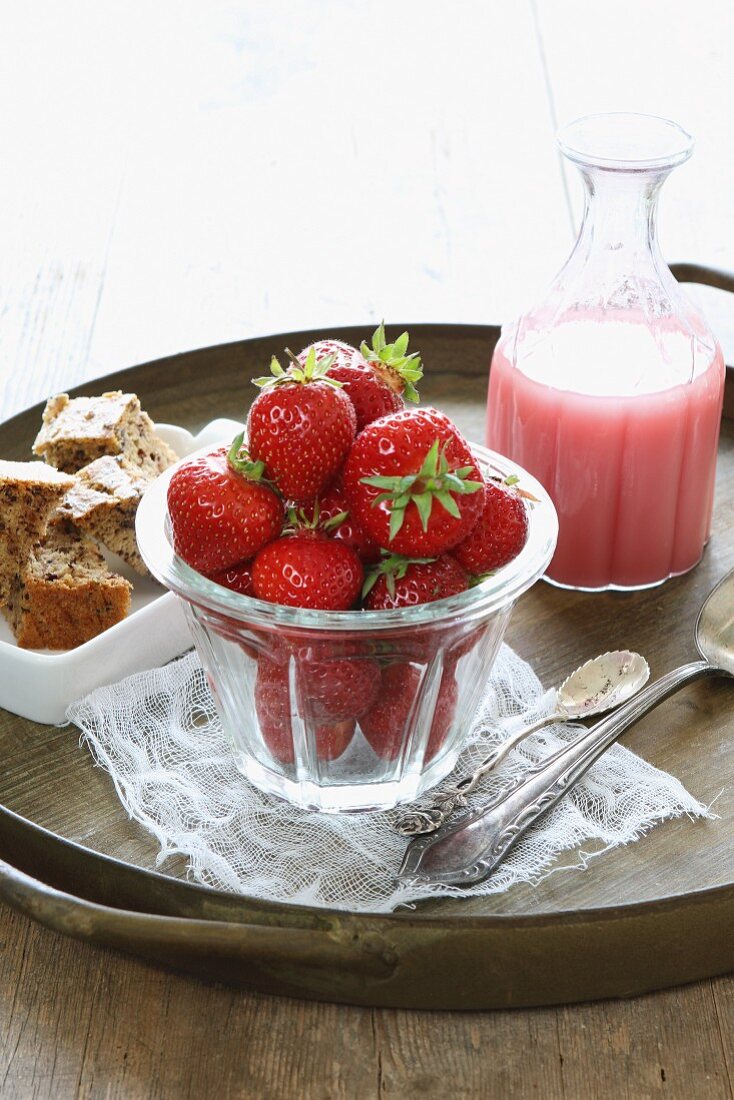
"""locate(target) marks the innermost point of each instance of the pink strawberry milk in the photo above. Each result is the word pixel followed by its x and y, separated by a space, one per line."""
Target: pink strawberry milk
pixel 610 390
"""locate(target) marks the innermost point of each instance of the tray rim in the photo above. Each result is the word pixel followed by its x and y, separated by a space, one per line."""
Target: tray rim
pixel 723 891
pixel 274 913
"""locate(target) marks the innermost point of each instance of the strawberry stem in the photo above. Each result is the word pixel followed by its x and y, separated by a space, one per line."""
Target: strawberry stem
pixel 299 520
pixel 239 460
pixel 392 568
pixel 301 373
pixel 398 369
pixel 434 481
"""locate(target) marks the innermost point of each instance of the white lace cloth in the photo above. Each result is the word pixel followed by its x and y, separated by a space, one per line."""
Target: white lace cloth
pixel 158 735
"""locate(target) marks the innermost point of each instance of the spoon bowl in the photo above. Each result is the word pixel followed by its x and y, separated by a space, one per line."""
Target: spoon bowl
pixel 603 683
pixel 715 626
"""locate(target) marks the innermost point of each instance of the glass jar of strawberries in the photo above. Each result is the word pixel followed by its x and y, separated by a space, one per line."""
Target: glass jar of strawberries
pixel 348 567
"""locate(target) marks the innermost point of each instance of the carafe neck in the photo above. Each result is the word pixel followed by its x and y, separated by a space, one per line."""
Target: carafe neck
pixel 623 160
pixel 620 213
pixel 615 297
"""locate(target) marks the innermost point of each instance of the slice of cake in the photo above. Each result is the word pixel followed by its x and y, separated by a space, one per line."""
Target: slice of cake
pixel 103 503
pixel 78 430
pixel 29 493
pixel 66 594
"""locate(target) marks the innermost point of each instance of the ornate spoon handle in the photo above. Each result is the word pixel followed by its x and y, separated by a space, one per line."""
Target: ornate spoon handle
pixel 471 849
pixel 419 822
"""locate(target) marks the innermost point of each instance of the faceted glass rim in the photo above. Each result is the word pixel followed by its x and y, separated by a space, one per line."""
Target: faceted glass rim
pixel 625 141
pixel 153 533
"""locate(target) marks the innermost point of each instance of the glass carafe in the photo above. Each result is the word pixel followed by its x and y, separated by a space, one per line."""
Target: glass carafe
pixel 610 389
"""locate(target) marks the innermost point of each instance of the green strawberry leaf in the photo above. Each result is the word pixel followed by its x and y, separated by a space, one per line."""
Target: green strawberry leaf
pixel 430 466
pixel 370 581
pixel 397 515
pixel 239 460
pixel 445 498
pixel 335 521
pixel 469 487
pixel 410 393
pixel 394 484
pixel 424 503
pixel 401 344
pixel 378 338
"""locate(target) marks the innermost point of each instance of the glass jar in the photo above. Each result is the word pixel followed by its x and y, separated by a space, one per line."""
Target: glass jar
pixel 610 389
pixel 274 671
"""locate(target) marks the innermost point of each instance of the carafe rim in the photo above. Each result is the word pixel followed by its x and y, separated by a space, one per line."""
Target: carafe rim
pixel 625 141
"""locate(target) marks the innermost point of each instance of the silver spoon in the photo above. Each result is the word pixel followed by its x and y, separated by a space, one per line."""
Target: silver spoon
pixel 471 849
pixel 599 685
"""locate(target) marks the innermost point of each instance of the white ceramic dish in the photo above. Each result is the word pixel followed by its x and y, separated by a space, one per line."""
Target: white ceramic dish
pixel 40 684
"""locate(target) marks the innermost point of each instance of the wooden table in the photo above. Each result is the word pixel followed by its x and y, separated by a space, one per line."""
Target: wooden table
pixel 157 167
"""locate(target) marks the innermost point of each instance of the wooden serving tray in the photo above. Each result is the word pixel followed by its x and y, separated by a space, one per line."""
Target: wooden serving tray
pixel 652 915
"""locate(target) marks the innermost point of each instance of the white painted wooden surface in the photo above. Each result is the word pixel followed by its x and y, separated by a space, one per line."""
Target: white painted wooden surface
pixel 174 174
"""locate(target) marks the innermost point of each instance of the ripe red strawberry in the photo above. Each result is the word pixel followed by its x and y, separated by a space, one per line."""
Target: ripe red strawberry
pixel 332 507
pixel 301 427
pixel 237 577
pixel 412 483
pixel 221 511
pixel 339 688
pixel 308 569
pixel 273 709
pixel 443 714
pixel 384 725
pixel 405 582
pixel 278 737
pixel 290 645
pixel 466 644
pixel 375 380
pixel 500 533
pixel 333 739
